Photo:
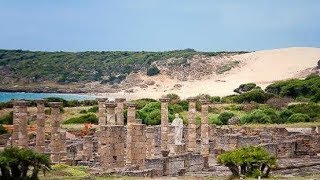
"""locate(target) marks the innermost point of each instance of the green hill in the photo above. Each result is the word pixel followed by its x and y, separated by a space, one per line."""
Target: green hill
pixel 27 67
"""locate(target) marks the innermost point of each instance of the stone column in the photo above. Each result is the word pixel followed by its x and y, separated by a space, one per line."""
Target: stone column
pixel 102 110
pixel 119 110
pixel 20 124
pixel 204 132
pixel 164 123
pixel 55 145
pixel 16 120
pixel 131 117
pixel 150 143
pixel 191 139
pixel 111 115
pixel 41 121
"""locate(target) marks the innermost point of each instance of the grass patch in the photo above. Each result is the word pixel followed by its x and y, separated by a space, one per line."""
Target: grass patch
pixel 227 67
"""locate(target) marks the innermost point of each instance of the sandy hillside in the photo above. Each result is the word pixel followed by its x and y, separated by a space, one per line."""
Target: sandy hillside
pixel 261 67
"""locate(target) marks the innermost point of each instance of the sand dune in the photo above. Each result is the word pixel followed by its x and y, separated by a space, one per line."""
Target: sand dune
pixel 261 67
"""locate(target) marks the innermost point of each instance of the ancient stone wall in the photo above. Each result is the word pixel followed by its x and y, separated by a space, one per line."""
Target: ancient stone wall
pixel 112 146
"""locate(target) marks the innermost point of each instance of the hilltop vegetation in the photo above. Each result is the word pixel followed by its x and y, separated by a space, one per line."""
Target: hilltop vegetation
pixel 67 67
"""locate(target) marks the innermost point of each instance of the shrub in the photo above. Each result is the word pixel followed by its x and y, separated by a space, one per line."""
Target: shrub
pixel 245 88
pixel 16 163
pixel 153 118
pixel 298 117
pixel 252 161
pixel 3 129
pixel 256 95
pixel 140 103
pixel 152 71
pixel 83 111
pixel 93 109
pixel 86 118
pixel 310 109
pixel 184 104
pixel 285 114
pixel 174 98
pixel 150 113
pixel 215 99
pixel 7 119
pixel 213 119
pixel 176 108
pixel 224 117
pixel 263 116
pixel 295 88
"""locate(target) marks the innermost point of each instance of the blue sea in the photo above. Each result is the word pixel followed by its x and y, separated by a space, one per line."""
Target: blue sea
pixel 7 96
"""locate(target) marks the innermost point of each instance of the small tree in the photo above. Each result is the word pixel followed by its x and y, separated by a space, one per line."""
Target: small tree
pixel 249 161
pixel 152 71
pixel 15 163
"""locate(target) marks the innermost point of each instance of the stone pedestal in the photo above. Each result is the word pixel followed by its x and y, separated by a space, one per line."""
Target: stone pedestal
pixel 119 110
pixel 191 138
pixel 204 129
pixel 111 115
pixel 41 118
pixel 102 110
pixel 180 149
pixel 164 123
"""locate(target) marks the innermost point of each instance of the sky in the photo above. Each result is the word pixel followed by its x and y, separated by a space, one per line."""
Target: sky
pixel 158 25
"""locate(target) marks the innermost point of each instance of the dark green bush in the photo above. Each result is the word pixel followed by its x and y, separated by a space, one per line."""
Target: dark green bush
pixel 86 118
pixel 7 119
pixel 3 130
pixel 174 98
pixel 295 88
pixel 224 117
pixel 152 71
pixel 252 161
pixel 298 117
pixel 256 95
pixel 150 113
pixel 310 109
pixel 285 114
pixel 140 103
pixel 83 111
pixel 245 88
pixel 263 116
pixel 153 118
pixel 93 109
pixel 184 104
pixel 16 163
pixel 176 108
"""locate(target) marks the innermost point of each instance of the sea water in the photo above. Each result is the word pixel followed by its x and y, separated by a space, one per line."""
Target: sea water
pixel 7 96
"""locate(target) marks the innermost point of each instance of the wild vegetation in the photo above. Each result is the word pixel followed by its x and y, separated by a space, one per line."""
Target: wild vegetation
pixel 67 67
pixel 248 161
pixel 16 163
pixel 251 105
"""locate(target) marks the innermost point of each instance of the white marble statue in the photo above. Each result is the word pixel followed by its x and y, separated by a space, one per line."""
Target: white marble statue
pixel 178 129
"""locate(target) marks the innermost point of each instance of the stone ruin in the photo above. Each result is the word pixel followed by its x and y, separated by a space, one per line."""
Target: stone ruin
pixel 135 149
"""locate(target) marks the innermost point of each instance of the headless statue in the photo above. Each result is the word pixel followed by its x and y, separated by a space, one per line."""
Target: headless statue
pixel 178 129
